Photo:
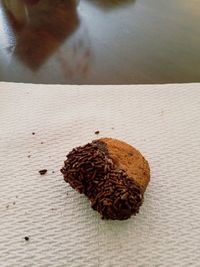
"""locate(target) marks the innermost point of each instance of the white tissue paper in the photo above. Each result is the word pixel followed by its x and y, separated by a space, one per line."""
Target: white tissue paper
pixel 162 121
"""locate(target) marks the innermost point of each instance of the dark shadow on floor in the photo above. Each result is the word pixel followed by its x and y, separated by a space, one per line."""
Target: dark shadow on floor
pixel 110 4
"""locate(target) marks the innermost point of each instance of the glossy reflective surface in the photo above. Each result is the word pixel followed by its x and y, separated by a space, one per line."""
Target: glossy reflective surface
pixel 100 41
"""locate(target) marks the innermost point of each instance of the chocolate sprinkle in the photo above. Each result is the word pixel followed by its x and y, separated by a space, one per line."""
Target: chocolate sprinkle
pixel 42 172
pixel 89 170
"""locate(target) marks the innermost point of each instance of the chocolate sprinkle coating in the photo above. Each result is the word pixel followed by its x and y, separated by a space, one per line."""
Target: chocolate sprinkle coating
pixel 89 170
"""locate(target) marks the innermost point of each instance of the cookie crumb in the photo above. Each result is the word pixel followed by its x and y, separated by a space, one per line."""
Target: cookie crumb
pixel 42 143
pixel 7 206
pixel 53 171
pixel 14 203
pixel 26 238
pixel 42 172
pixel 29 156
pixel 33 133
pixel 97 132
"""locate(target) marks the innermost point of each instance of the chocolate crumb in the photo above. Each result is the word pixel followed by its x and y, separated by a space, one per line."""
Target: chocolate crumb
pixel 53 171
pixel 7 206
pixel 26 238
pixel 14 203
pixel 42 143
pixel 42 172
pixel 97 132
pixel 33 133
pixel 29 156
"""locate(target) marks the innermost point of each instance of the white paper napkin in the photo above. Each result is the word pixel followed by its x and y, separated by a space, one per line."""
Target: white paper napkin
pixel 162 121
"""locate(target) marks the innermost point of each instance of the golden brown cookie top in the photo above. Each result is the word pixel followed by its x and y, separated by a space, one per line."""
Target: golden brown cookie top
pixel 129 159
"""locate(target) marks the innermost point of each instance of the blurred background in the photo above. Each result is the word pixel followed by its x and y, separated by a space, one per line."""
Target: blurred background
pixel 100 41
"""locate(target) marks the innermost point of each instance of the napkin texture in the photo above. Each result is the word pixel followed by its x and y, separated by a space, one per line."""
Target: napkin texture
pixel 162 121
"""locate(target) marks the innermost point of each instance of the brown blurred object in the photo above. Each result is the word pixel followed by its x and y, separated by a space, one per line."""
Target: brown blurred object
pixel 40 27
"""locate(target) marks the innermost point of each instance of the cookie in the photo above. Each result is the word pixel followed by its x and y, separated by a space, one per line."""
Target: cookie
pixel 111 173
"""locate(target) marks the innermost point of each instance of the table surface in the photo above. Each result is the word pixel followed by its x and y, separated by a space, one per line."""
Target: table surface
pixel 100 41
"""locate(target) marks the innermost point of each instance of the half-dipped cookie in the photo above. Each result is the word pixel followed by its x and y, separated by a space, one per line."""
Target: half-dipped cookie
pixel 111 173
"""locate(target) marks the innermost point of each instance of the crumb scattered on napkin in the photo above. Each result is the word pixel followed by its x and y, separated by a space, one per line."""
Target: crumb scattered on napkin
pixel 42 172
